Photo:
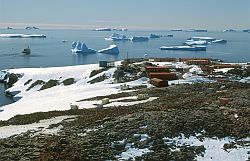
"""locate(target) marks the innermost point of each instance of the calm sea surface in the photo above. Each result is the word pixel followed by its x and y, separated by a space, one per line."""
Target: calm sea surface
pixel 51 51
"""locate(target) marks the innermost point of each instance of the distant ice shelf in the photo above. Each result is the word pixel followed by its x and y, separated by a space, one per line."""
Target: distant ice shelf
pixel 110 29
pixel 22 36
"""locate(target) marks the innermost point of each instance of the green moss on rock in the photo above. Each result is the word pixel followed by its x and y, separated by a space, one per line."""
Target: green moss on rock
pixel 68 81
pixel 38 82
pixel 27 82
pixel 49 84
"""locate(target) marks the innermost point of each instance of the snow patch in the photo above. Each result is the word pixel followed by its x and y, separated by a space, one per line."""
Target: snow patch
pixel 41 127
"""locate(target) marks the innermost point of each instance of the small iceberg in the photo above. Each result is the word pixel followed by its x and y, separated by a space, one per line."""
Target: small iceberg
pixel 78 47
pixel 191 42
pixel 64 41
pixel 120 29
pixel 31 27
pixel 229 30
pixel 246 30
pixel 117 37
pixel 176 30
pixel 112 49
pixel 139 38
pixel 186 48
pixel 21 36
pixel 219 41
pixel 196 30
pixel 103 29
pixel 153 36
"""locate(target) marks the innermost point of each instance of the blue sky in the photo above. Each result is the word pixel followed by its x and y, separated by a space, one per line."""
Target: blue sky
pixel 132 14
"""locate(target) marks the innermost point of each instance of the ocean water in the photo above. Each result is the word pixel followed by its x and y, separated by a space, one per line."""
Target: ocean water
pixel 3 99
pixel 51 51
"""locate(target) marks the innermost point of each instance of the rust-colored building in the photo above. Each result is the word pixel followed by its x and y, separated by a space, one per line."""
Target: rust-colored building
pixel 187 59
pixel 162 75
pixel 219 66
pixel 198 62
pixel 156 69
pixel 158 82
pixel 165 59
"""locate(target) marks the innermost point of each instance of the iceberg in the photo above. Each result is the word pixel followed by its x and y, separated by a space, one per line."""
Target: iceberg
pixel 204 41
pixel 207 39
pixel 229 30
pixel 191 42
pixel 186 48
pixel 139 38
pixel 103 29
pixel 176 30
pixel 196 30
pixel 112 49
pixel 30 28
pixel 219 41
pixel 246 30
pixel 120 29
pixel 117 37
pixel 78 47
pixel 154 36
pixel 22 36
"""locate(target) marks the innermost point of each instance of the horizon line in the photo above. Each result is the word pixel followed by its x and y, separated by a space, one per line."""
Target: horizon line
pixel 22 25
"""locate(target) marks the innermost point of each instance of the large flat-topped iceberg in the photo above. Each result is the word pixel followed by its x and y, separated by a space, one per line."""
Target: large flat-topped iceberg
pixel 78 47
pixel 112 49
pixel 186 48
pixel 22 36
pixel 190 42
pixel 208 39
pixel 139 38
pixel 117 37
pixel 204 41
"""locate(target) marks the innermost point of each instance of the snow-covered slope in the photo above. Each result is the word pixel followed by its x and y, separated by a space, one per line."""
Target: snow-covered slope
pixel 59 97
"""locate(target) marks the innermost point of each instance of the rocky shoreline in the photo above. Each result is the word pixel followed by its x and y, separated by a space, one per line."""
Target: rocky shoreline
pixel 108 133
